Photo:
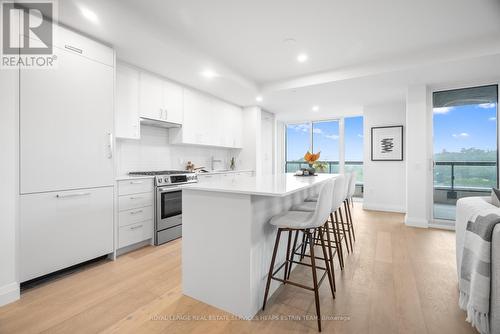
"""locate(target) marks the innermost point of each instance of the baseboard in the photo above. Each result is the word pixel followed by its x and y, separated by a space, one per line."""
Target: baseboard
pixel 416 222
pixel 9 293
pixel 383 207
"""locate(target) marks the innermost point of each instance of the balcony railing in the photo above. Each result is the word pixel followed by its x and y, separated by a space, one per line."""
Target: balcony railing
pixel 457 179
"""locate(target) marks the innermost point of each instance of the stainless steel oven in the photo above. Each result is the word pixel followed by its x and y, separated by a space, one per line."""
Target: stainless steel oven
pixel 168 203
pixel 168 214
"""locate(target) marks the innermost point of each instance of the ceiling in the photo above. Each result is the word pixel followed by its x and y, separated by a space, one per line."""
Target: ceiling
pixel 360 52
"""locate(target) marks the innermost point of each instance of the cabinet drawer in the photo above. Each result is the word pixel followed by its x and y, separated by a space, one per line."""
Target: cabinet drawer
pixel 135 215
pixel 127 187
pixel 135 201
pixel 131 234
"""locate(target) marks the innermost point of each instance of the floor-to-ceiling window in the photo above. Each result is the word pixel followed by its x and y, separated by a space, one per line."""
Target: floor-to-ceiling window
pixel 465 146
pixel 324 137
pixel 318 136
pixel 353 142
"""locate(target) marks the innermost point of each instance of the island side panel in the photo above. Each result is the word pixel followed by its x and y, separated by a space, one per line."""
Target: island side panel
pixel 263 236
pixel 216 249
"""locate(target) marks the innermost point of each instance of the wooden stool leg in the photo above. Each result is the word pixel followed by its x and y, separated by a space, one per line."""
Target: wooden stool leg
pixel 348 222
pixel 315 278
pixel 305 240
pixel 341 223
pixel 271 267
pixel 350 218
pixel 338 246
pixel 293 253
pixel 285 275
pixel 328 261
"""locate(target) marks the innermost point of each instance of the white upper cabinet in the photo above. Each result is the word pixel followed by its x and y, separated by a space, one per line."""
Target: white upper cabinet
pixel 160 99
pixel 127 124
pixel 208 121
pixel 66 122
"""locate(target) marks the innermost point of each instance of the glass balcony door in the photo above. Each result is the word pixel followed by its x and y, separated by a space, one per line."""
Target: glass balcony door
pixel 465 146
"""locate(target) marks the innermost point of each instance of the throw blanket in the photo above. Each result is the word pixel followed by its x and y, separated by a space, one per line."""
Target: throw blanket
pixel 475 274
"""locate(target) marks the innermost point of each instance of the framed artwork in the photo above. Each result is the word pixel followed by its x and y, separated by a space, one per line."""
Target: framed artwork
pixel 387 143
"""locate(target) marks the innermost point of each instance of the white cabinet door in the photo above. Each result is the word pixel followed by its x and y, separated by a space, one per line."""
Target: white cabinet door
pixel 127 124
pixel 66 122
pixel 61 229
pixel 151 97
pixel 172 102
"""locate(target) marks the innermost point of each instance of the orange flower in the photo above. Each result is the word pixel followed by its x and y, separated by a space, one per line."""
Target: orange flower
pixel 311 157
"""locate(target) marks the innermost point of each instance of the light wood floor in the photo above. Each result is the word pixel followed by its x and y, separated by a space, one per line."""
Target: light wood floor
pixel 398 280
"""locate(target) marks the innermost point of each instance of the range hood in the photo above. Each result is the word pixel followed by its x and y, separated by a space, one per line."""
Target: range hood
pixel 159 123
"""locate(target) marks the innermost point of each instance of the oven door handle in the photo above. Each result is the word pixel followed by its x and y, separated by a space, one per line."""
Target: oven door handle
pixel 168 189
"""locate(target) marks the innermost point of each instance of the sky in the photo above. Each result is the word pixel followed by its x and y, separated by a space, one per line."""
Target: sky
pixel 325 139
pixel 465 127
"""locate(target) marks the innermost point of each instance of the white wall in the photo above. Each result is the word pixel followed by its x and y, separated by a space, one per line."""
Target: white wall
pixel 9 287
pixel 384 181
pixel 418 160
pixel 153 152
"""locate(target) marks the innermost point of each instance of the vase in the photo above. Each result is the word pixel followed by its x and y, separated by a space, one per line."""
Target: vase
pixel 311 170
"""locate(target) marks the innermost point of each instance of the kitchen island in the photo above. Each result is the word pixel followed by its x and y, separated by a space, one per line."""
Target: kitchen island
pixel 227 240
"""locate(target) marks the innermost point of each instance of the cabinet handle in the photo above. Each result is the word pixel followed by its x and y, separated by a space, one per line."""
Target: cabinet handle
pixel 72 195
pixel 136 182
pixel 136 227
pixel 74 49
pixel 135 212
pixel 135 197
pixel 110 145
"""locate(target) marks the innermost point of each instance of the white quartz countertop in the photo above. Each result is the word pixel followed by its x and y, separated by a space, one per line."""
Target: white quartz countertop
pixel 262 185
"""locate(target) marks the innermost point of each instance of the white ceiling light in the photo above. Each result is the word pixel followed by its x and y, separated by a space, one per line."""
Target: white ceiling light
pixel 259 98
pixel 209 74
pixel 89 15
pixel 302 58
pixel 315 108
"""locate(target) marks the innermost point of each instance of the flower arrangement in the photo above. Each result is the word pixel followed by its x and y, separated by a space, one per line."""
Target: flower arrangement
pixel 311 158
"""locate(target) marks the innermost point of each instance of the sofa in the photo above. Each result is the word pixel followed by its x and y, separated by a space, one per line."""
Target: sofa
pixel 468 209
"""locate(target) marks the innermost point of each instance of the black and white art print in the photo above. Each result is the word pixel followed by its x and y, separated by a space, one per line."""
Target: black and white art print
pixel 387 143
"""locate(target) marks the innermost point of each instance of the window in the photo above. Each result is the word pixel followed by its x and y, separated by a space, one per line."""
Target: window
pixel 465 146
pixel 353 134
pixel 325 136
pixel 314 136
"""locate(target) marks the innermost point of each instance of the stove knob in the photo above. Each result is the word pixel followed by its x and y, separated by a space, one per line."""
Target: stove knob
pixel 160 180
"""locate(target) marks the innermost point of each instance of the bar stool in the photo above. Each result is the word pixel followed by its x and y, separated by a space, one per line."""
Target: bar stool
pixel 307 223
pixel 309 205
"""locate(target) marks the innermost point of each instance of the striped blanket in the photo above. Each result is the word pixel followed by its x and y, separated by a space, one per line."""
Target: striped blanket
pixel 475 274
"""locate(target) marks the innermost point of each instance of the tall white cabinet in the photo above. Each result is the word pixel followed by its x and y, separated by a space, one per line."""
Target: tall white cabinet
pixel 66 158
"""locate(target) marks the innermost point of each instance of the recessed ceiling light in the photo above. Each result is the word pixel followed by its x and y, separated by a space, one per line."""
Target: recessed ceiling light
pixel 259 98
pixel 89 15
pixel 315 108
pixel 301 58
pixel 209 74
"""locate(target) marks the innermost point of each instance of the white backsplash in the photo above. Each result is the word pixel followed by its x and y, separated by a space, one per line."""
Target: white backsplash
pixel 153 152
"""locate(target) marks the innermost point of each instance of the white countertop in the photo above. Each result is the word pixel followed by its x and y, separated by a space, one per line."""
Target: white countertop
pixel 263 185
pixel 224 172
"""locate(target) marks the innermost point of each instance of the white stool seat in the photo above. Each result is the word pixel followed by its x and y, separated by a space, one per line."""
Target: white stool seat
pixel 313 198
pixel 293 219
pixel 305 206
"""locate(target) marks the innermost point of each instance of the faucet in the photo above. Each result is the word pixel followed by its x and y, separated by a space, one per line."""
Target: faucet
pixel 212 162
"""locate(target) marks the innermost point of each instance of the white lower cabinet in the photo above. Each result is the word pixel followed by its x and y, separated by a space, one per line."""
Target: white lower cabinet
pixel 135 211
pixel 64 228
